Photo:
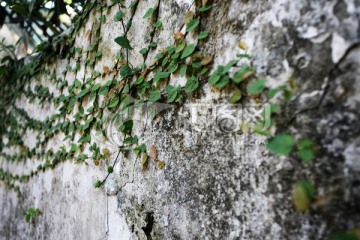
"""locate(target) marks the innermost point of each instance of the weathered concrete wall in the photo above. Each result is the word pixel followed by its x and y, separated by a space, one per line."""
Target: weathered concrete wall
pixel 216 184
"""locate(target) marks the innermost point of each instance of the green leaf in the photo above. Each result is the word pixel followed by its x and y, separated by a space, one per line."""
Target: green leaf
pixel 214 78
pixel 81 110
pixel 183 71
pixel 140 149
pixel 108 83
pixel 96 87
pixel 239 75
pixel 164 62
pixel 119 16
pixel 98 54
pixel 118 56
pixel 228 66
pixel 149 12
pixel 305 144
pixel 77 83
pixel 78 50
pixel 160 75
pixel 143 147
pixel 256 87
pixel 196 64
pixel 157 24
pixel 205 8
pixel 143 51
pixel 306 150
pixel 123 42
pixel 85 138
pixel 309 188
pixel 82 93
pixel 114 102
pixel 73 147
pixel 281 144
pixel 173 66
pixel 102 18
pixel 97 184
pixel 306 155
pixel 273 92
pixel 139 80
pixel 236 96
pixel 135 139
pixel 110 169
pixel 180 46
pixel 126 127
pixel 344 236
pixel 191 85
pixel 192 25
pixel 103 90
pixel 175 56
pixel 125 71
pixel 128 140
pixel 3 69
pixel 223 82
pixel 132 4
pixel 153 44
pixel 203 71
pixel 159 56
pixel 154 96
pixel 172 93
pixel 188 51
pixel 203 35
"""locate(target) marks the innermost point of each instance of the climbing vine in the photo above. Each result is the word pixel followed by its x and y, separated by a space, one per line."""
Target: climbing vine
pixel 134 87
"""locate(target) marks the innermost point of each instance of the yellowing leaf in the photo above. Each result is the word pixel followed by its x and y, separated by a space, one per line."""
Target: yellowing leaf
pixel 188 17
pixel 178 36
pixel 153 152
pixel 111 93
pixel 245 128
pixel 206 60
pixel 106 69
pixel 242 45
pixel 144 162
pixel 161 164
pixel 302 195
pixel 356 232
pixel 106 152
pixel 300 199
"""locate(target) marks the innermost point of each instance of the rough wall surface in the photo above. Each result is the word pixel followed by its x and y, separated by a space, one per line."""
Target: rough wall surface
pixel 218 184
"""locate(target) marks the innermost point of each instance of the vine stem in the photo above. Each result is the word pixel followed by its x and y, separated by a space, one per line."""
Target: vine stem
pixel 117 156
pixel 152 34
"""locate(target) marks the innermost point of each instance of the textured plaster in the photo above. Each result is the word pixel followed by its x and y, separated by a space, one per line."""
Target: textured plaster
pixel 218 184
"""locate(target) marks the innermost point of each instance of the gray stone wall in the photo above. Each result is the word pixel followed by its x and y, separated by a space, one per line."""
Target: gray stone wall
pixel 219 181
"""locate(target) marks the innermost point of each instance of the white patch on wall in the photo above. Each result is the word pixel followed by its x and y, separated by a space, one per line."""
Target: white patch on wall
pixel 351 154
pixel 339 47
